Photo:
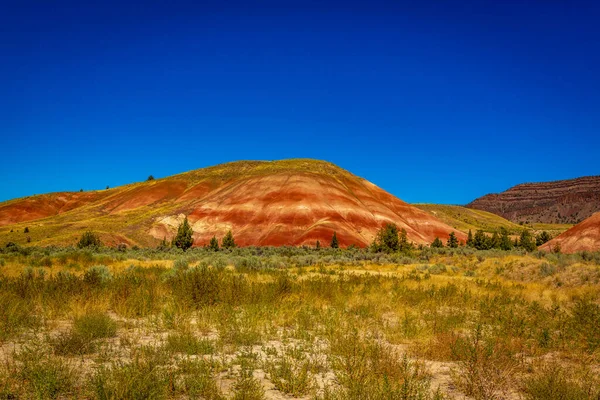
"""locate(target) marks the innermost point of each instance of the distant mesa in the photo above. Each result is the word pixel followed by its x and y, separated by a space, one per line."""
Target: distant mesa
pixel 288 202
pixel 559 202
pixel 584 236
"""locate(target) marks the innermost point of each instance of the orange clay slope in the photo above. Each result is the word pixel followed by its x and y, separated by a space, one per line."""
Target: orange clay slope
pixel 287 202
pixel 584 236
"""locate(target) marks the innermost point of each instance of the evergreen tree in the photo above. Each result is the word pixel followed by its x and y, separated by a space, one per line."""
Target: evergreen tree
pixel 150 178
pixel 470 239
pixel 527 241
pixel 183 239
pixel 480 240
pixel 452 241
pixel 387 239
pixel 26 230
pixel 318 245
pixel 495 241
pixel 334 242
pixel 505 243
pixel 228 242
pixel 403 244
pixel 542 238
pixel 437 243
pixel 214 244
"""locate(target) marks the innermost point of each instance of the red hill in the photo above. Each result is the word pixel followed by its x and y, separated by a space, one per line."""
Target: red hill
pixel 288 202
pixel 584 236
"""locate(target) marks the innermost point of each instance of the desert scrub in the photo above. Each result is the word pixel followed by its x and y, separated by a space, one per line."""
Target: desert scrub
pixel 40 375
pixel 551 381
pixel 290 376
pixel 98 275
pixel 16 315
pixel 139 379
pixel 368 369
pixel 95 325
pixel 247 387
pixel 82 338
pixel 188 344
pixel 198 380
pixel 486 367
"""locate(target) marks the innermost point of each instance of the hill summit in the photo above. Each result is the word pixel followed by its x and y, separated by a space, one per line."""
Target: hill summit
pixel 264 203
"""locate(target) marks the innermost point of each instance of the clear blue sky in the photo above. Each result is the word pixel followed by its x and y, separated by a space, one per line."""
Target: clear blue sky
pixel 433 101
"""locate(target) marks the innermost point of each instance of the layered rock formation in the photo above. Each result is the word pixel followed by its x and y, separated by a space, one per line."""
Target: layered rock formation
pixel 559 202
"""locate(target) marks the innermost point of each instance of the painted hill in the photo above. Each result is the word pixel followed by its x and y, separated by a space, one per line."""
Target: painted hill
pixel 287 202
pixel 559 202
pixel 584 236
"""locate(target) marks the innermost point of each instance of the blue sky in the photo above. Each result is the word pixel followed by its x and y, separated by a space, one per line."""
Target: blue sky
pixel 433 101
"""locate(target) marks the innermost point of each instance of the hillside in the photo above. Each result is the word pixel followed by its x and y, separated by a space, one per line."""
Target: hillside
pixel 288 202
pixel 584 236
pixel 463 219
pixel 558 202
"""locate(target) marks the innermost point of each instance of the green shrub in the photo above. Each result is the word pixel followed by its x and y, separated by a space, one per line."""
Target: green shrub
pixel 95 326
pixel 188 344
pixel 89 239
pixel 97 275
pixel 553 382
pixel 138 380
pixel 44 376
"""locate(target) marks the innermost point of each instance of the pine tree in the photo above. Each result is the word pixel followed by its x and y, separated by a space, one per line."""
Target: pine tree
pixel 334 242
pixel 542 238
pixel 495 241
pixel 452 241
pixel 403 244
pixel 183 239
pixel 505 243
pixel 386 239
pixel 26 230
pixel 480 241
pixel 318 245
pixel 228 242
pixel 214 244
pixel 437 243
pixel 527 241
pixel 470 239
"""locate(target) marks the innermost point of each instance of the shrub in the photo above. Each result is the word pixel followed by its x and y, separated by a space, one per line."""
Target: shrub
pixel 437 243
pixel 97 275
pixel 188 344
pixel 89 239
pixel 45 377
pixel 139 379
pixel 553 382
pixel 95 326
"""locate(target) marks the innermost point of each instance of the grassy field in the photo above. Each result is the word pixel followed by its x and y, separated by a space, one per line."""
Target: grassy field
pixel 264 323
pixel 463 219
